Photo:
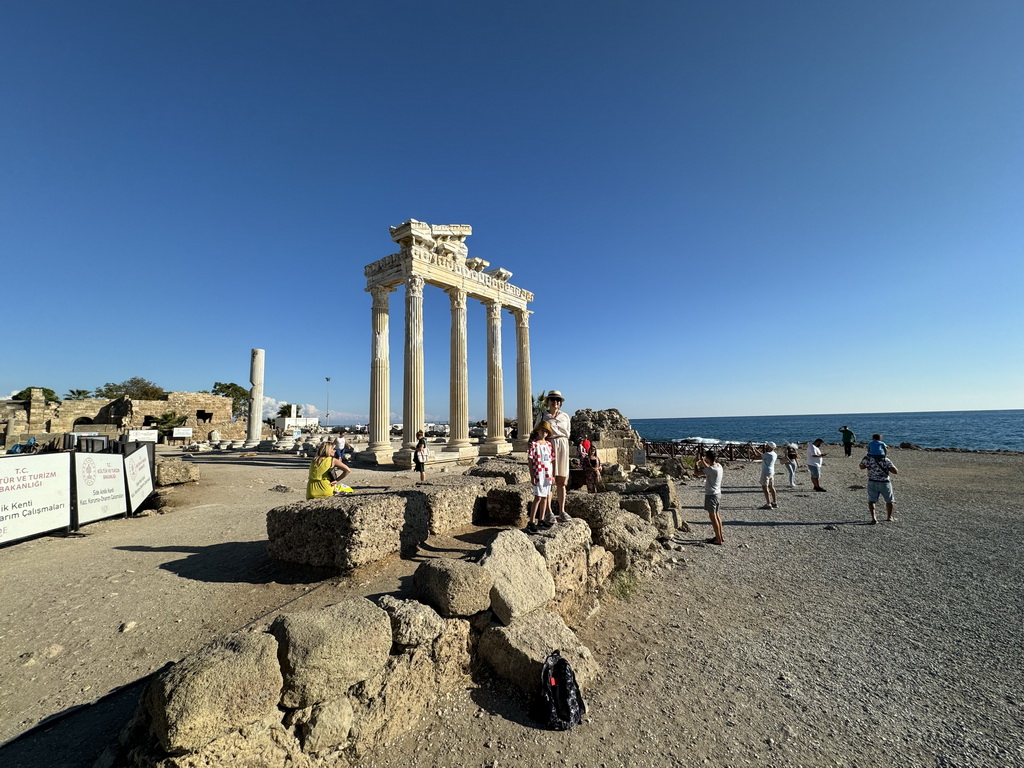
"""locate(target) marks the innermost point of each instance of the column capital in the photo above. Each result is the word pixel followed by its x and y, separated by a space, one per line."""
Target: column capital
pixel 493 308
pixel 522 316
pixel 457 296
pixel 414 286
pixel 380 295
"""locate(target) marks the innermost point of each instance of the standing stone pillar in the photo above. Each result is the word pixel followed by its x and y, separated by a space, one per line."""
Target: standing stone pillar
pixel 379 450
pixel 254 427
pixel 524 395
pixel 495 442
pixel 412 406
pixel 458 412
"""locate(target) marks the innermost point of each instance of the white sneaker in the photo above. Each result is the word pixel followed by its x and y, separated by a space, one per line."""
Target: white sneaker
pixel 563 518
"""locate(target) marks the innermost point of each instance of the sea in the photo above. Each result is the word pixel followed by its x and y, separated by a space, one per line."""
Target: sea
pixel 964 430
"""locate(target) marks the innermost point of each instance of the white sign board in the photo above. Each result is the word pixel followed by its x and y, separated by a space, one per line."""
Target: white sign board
pixel 140 480
pixel 143 435
pixel 35 495
pixel 100 486
pixel 182 432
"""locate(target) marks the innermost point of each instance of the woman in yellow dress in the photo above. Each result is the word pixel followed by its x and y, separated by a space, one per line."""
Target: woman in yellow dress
pixel 320 484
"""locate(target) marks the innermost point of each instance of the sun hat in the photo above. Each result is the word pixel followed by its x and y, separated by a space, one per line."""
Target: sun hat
pixel 771 445
pixel 546 426
pixel 554 394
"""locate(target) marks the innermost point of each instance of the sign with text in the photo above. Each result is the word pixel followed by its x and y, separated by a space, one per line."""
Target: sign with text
pixel 140 479
pixel 35 495
pixel 143 435
pixel 182 432
pixel 100 486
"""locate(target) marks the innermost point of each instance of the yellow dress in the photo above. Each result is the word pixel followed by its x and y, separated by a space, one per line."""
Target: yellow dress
pixel 318 486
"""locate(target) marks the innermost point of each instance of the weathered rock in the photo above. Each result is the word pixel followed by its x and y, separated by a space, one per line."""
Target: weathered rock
pixel 614 473
pixel 600 565
pixel 345 532
pixel 325 727
pixel 175 472
pixel 457 502
pixel 565 549
pixel 521 580
pixel 628 538
pixel 259 745
pixel 453 587
pixel 511 471
pixel 232 681
pixel 610 431
pixel 596 509
pixel 638 504
pixel 510 505
pixel 517 652
pixel 676 467
pixel 412 622
pixel 325 652
pixel 663 486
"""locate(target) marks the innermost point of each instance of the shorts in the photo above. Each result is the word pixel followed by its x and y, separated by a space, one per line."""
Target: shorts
pixel 767 480
pixel 561 446
pixel 711 503
pixel 543 488
pixel 881 488
pixel 814 469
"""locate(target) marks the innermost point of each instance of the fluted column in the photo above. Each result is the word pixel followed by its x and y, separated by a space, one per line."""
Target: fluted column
pixel 495 388
pixel 458 412
pixel 380 374
pixel 254 427
pixel 412 411
pixel 524 395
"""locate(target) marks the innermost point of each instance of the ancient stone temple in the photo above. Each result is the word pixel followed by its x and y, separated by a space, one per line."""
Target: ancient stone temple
pixel 437 255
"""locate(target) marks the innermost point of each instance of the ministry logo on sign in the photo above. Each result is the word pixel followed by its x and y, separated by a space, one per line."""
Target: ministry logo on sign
pixel 89 471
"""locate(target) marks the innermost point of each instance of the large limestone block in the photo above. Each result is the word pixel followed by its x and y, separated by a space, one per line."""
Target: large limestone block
pixel 512 472
pixel 517 652
pixel 260 745
pixel 628 538
pixel 510 505
pixel 665 487
pixel 175 472
pixel 412 622
pixel 325 727
pixel 228 683
pixel 453 587
pixel 638 504
pixel 452 505
pixel 597 509
pixel 325 652
pixel 600 565
pixel 564 549
pixel 521 580
pixel 345 532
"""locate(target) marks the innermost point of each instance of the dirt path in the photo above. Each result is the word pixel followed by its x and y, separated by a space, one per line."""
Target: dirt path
pixel 810 639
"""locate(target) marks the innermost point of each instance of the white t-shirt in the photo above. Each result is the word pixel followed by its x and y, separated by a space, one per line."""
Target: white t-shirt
pixel 814 456
pixel 768 463
pixel 339 444
pixel 713 479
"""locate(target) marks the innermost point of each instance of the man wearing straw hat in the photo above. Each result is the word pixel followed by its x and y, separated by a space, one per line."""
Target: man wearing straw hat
pixel 559 423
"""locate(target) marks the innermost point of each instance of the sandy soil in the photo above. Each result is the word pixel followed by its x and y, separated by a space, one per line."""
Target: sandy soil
pixel 810 639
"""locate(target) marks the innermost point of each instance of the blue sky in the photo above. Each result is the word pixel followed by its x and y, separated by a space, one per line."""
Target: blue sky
pixel 723 208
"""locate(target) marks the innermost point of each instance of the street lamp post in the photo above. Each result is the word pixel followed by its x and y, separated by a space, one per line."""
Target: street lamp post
pixel 327 418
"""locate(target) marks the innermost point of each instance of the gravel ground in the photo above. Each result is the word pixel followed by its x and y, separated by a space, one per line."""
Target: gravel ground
pixel 809 639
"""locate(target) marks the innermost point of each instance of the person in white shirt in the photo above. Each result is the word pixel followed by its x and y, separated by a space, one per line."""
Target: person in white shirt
pixel 815 458
pixel 558 420
pixel 709 467
pixel 768 458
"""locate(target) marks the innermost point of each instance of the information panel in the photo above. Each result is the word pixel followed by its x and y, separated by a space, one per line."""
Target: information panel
pixel 182 432
pixel 100 486
pixel 35 495
pixel 140 479
pixel 143 435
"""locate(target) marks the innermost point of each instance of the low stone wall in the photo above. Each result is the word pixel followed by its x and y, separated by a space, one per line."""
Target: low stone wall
pixel 323 687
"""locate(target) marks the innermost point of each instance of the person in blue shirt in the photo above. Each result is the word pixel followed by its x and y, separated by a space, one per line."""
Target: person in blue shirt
pixel 876 447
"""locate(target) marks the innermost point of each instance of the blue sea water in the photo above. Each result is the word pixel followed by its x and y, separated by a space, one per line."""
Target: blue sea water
pixel 969 430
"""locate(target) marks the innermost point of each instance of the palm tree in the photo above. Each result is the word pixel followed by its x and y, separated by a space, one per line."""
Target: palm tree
pixel 78 394
pixel 286 410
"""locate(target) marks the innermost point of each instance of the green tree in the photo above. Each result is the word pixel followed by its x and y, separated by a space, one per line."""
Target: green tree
pixel 286 410
pixel 49 394
pixel 540 405
pixel 136 388
pixel 166 423
pixel 78 394
pixel 239 397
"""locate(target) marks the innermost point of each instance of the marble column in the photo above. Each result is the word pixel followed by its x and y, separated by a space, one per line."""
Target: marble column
pixel 412 406
pixel 495 442
pixel 458 411
pixel 524 395
pixel 254 427
pixel 379 450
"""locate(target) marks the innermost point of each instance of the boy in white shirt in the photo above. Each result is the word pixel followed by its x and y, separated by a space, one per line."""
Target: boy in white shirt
pixel 768 458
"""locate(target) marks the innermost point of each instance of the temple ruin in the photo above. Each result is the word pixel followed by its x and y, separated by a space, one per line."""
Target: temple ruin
pixel 438 255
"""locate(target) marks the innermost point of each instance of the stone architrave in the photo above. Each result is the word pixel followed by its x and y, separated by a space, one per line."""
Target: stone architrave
pixel 254 426
pixel 437 255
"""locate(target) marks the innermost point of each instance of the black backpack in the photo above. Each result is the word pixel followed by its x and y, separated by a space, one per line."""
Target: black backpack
pixel 562 704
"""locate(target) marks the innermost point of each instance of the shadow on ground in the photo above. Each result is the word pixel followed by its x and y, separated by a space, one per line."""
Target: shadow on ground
pixel 235 562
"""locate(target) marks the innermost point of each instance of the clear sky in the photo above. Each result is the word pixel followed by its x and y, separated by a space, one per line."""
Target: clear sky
pixel 723 208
